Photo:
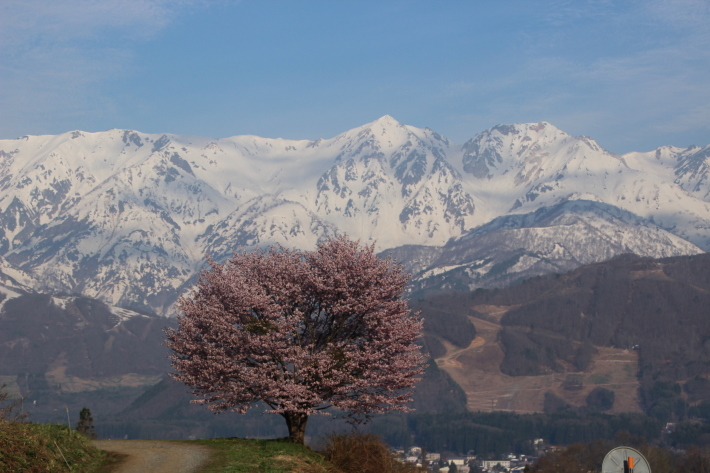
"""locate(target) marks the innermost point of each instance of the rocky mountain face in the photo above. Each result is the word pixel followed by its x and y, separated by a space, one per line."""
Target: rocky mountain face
pixel 543 166
pixel 552 239
pixel 128 217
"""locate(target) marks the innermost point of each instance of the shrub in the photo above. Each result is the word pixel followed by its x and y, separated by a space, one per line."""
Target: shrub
pixel 600 399
pixel 39 448
pixel 695 460
pixel 363 453
pixel 8 407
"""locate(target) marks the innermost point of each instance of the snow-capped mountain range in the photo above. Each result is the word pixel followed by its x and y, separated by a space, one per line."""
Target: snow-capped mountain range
pixel 128 217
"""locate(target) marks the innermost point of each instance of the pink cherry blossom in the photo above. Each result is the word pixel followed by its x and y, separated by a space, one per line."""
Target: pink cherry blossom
pixel 302 332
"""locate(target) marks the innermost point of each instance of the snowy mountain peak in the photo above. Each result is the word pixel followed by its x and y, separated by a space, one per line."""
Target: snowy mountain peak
pixel 689 167
pixel 389 172
pixel 382 134
pixel 385 121
pixel 539 128
pixel 528 156
pixel 128 217
pixel 505 148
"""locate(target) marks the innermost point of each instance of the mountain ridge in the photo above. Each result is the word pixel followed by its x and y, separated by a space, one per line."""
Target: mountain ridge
pixel 127 216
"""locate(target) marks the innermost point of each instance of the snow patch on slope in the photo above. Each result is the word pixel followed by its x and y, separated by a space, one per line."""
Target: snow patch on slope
pixel 128 217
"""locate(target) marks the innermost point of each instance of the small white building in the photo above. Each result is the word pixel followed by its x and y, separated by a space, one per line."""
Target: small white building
pixel 489 464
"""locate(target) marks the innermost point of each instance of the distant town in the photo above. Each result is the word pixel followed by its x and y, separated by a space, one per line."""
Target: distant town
pixel 470 463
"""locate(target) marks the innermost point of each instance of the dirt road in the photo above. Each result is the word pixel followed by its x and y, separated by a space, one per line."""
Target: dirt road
pixel 156 456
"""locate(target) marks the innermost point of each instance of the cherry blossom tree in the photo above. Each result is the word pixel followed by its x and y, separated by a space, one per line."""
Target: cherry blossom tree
pixel 302 331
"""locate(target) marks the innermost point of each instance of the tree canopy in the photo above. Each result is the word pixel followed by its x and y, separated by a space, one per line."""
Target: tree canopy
pixel 302 331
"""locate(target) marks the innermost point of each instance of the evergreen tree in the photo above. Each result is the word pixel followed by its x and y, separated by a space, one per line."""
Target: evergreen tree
pixel 425 462
pixel 86 423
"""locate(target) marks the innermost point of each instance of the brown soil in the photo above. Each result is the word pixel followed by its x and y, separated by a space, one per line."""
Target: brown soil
pixel 476 369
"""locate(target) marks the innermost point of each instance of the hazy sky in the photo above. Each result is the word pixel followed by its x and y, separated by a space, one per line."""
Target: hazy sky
pixel 634 75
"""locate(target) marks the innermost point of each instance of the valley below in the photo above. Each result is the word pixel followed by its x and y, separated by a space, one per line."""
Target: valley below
pixel 540 347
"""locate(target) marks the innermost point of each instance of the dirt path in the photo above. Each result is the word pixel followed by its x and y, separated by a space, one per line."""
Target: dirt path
pixel 156 456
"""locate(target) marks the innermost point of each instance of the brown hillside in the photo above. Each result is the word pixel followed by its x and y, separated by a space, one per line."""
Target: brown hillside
pixel 476 369
pixel 60 352
pixel 636 326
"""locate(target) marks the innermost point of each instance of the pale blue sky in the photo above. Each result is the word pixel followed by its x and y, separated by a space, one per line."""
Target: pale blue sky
pixel 634 75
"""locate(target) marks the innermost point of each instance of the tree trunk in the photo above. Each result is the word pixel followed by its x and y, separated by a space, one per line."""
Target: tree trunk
pixel 296 424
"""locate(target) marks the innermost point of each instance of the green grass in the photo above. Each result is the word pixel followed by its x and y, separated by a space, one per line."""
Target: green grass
pixel 600 378
pixel 41 447
pixel 268 456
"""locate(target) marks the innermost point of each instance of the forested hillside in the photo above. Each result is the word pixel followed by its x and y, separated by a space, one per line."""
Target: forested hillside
pixel 628 335
pixel 656 311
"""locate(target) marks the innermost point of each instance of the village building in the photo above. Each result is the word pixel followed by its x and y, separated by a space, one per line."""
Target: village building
pixel 488 465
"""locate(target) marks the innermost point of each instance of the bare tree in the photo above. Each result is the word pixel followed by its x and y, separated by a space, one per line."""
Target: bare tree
pixel 9 406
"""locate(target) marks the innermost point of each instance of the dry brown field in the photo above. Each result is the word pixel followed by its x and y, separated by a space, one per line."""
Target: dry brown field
pixel 476 369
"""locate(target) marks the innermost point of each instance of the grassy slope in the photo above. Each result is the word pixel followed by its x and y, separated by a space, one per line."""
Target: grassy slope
pixel 38 448
pixel 34 448
pixel 41 447
pixel 272 456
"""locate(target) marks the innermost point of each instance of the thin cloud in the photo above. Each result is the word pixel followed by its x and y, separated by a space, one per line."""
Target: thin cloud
pixel 685 14
pixel 656 85
pixel 691 118
pixel 561 12
pixel 56 56
pixel 27 23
